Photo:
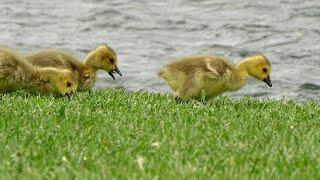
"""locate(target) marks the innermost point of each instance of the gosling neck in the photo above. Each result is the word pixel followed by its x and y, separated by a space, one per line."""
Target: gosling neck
pixel 242 71
pixel 89 62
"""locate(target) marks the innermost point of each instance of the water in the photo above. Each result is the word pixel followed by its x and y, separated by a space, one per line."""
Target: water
pixel 146 34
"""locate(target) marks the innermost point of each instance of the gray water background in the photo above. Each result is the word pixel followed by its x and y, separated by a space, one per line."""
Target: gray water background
pixel 146 34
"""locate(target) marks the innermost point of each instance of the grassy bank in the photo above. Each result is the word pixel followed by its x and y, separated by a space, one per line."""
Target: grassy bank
pixel 121 134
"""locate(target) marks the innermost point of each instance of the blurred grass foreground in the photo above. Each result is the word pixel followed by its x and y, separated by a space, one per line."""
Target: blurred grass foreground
pixel 120 134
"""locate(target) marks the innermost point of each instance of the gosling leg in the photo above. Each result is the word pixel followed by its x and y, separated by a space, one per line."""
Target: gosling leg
pixel 189 89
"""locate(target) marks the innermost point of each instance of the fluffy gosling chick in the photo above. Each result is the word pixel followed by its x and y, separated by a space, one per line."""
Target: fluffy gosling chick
pixel 16 73
pixel 206 75
pixel 101 58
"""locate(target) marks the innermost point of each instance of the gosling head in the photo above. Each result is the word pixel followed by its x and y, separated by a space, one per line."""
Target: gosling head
pixel 65 82
pixel 260 68
pixel 106 59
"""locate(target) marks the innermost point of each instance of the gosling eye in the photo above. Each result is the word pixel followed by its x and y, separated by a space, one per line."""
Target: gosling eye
pixel 111 60
pixel 68 84
pixel 264 70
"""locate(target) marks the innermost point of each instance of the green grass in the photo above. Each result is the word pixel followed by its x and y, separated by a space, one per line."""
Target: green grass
pixel 107 133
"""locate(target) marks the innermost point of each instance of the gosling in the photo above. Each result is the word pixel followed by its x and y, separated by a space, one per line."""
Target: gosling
pixel 101 58
pixel 16 73
pixel 208 76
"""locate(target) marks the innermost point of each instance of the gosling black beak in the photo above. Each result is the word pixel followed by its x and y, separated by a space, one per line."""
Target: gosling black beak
pixel 117 71
pixel 268 81
pixel 111 74
pixel 67 95
pixel 113 71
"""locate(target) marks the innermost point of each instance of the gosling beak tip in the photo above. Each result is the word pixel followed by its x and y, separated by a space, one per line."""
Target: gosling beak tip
pixel 268 81
pixel 118 71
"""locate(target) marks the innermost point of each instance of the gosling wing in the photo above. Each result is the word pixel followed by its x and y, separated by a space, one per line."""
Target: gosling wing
pixel 216 67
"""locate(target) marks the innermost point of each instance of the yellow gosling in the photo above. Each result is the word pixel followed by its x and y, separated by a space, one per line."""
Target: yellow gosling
pixel 16 73
pixel 206 75
pixel 101 58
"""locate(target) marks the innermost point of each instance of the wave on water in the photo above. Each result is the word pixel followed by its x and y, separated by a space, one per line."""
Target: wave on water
pixel 309 86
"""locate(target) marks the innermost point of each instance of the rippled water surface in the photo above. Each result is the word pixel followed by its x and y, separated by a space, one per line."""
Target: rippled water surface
pixel 145 34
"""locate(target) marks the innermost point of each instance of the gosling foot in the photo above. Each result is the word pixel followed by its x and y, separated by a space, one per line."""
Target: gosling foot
pixel 180 100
